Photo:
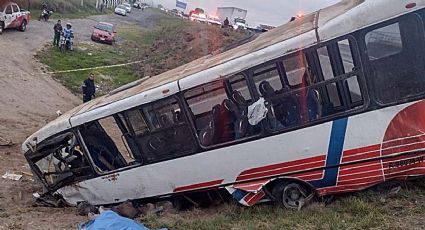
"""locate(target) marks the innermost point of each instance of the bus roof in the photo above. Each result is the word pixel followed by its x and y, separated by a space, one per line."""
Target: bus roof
pixel 331 22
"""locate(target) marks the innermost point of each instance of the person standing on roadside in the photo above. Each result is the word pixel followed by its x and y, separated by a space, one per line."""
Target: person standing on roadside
pixel 226 22
pixel 89 88
pixel 57 28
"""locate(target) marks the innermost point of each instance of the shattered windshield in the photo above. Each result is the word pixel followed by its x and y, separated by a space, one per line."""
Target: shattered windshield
pixel 63 160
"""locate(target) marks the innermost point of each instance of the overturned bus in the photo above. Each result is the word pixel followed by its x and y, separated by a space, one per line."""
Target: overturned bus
pixel 332 102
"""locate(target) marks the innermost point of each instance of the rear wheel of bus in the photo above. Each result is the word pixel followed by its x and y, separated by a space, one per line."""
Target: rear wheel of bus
pixel 292 194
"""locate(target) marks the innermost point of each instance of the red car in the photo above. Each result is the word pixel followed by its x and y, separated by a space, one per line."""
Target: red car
pixel 104 32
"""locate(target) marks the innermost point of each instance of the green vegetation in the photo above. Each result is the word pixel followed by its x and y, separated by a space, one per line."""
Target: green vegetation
pixel 169 44
pixel 366 210
pixel 89 55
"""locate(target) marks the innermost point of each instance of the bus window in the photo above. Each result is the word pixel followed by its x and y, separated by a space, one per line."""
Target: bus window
pixel 138 124
pixel 106 145
pixel 328 73
pixel 346 55
pixel 325 62
pixel 384 42
pixel 270 74
pixel 353 86
pixel 238 83
pixel 161 131
pixel 396 58
pixel 220 116
pixel 296 68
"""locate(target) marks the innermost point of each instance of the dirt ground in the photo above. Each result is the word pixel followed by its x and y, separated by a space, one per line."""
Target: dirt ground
pixel 29 98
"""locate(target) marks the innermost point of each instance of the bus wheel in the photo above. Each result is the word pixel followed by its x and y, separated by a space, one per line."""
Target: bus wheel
pixel 292 195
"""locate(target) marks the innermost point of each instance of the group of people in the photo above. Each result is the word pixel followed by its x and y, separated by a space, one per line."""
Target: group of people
pixel 89 88
pixel 67 33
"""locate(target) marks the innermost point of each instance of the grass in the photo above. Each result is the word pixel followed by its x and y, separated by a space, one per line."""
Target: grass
pixel 88 55
pixel 159 49
pixel 365 210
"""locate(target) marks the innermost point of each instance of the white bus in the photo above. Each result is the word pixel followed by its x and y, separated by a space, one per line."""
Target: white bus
pixel 330 103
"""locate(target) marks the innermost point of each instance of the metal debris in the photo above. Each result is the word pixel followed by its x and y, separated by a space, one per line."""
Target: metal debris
pixel 5 142
pixel 12 176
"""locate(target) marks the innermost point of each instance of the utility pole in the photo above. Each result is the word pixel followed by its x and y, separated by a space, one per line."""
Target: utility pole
pixel 82 2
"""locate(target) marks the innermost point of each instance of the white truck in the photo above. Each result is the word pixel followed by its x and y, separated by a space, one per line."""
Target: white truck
pixel 11 16
pixel 236 16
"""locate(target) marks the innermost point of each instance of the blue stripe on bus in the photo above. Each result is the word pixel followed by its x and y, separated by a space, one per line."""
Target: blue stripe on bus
pixel 336 144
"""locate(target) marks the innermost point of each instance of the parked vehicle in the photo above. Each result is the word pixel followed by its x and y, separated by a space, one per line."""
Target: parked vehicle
pixel 239 23
pixel 121 10
pixel 104 32
pixel 12 16
pixel 236 16
pixel 175 12
pixel 45 15
pixel 213 20
pixel 127 7
pixel 198 18
pixel 328 105
pixel 138 5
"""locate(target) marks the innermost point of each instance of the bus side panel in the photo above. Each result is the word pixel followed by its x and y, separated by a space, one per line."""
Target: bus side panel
pixel 207 169
pixel 359 143
pixel 393 144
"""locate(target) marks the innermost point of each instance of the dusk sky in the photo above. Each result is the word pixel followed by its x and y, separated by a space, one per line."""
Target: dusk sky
pixel 270 12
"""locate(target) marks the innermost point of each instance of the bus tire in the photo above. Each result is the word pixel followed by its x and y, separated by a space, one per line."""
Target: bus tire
pixel 291 194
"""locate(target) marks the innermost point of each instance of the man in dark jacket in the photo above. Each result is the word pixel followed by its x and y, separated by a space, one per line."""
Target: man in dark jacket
pixel 58 30
pixel 226 22
pixel 89 88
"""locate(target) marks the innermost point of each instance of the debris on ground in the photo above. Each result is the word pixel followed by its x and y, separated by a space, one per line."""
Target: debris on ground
pixel 12 176
pixel 6 142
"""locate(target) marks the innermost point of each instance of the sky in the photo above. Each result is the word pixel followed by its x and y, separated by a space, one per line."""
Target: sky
pixel 269 12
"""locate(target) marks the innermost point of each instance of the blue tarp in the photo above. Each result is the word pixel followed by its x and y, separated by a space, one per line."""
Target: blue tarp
pixel 112 221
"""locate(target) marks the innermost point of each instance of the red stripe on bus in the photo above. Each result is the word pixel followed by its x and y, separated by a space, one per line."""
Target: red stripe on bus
pixel 255 198
pixel 361 180
pixel 403 168
pixel 407 140
pixel 417 171
pixel 252 186
pixel 407 156
pixel 401 149
pixel 363 156
pixel 360 167
pixel 208 184
pixel 283 165
pixel 347 188
pixel 375 172
pixel 279 171
pixel 361 150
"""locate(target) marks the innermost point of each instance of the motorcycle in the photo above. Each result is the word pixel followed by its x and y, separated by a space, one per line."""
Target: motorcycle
pixel 65 44
pixel 45 14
